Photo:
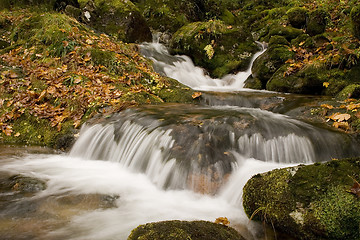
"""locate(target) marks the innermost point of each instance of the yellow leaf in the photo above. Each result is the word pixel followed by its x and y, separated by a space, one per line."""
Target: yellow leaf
pixel 222 220
pixel 17 134
pixel 326 84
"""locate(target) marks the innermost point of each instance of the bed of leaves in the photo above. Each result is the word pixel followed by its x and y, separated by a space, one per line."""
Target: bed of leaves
pixel 70 77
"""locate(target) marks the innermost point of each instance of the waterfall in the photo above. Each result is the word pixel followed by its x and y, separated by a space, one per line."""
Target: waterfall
pixel 182 68
pixel 202 157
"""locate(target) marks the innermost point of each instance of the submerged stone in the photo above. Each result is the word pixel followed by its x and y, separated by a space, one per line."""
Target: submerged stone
pixel 309 202
pixel 184 230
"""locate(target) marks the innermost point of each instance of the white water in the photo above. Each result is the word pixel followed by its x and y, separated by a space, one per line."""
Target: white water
pixel 141 201
pixel 183 69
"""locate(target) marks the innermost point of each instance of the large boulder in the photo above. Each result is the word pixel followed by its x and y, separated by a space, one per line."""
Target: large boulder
pixel 119 18
pixel 319 201
pixel 317 21
pixel 308 80
pixel 297 17
pixel 216 46
pixel 183 230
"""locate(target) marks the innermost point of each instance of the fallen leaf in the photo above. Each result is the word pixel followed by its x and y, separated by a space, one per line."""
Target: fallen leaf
pixel 196 95
pixel 340 117
pixel 342 125
pixel 327 106
pixel 326 84
pixel 355 189
pixel 222 220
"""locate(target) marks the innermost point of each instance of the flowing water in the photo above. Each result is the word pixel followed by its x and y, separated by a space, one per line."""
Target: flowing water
pixel 163 162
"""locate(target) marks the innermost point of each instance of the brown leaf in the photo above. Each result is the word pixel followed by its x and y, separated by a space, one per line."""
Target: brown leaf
pixel 340 117
pixel 355 189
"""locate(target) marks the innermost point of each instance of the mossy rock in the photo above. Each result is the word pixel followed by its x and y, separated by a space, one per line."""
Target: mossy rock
pixel 286 31
pixel 308 202
pixel 297 17
pixel 183 230
pixel 216 46
pixel 355 20
pixel 308 80
pixel 269 62
pixel 119 18
pixel 317 21
pixel 350 91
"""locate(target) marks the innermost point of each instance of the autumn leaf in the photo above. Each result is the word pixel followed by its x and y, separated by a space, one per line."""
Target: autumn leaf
pixel 339 117
pixel 222 220
pixel 196 95
pixel 327 106
pixel 326 84
pixel 355 189
pixel 341 125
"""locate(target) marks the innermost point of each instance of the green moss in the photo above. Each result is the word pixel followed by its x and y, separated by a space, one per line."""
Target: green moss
pixel 30 130
pixel 338 212
pixel 288 32
pixel 308 80
pixel 182 230
pixel 309 202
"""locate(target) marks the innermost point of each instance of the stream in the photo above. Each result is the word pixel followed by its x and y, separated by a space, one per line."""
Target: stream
pixel 163 162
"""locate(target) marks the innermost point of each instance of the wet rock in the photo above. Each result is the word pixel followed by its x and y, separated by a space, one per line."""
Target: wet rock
pixel 60 5
pixel 182 230
pixel 119 18
pixel 297 17
pixel 317 22
pixel 317 201
pixel 216 46
pixel 286 31
pixel 355 20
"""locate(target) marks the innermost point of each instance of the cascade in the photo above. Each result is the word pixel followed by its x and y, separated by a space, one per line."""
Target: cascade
pixel 169 161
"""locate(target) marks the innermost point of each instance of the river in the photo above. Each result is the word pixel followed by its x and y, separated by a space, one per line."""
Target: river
pixel 164 162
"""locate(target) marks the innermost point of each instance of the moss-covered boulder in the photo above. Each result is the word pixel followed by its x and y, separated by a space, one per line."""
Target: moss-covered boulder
pixel 317 21
pixel 269 62
pixel 355 21
pixel 216 46
pixel 286 31
pixel 319 201
pixel 297 17
pixel 350 91
pixel 119 18
pixel 183 230
pixel 308 80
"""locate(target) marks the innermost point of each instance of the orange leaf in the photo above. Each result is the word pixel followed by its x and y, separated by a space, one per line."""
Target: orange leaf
pixel 342 125
pixel 327 106
pixel 196 95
